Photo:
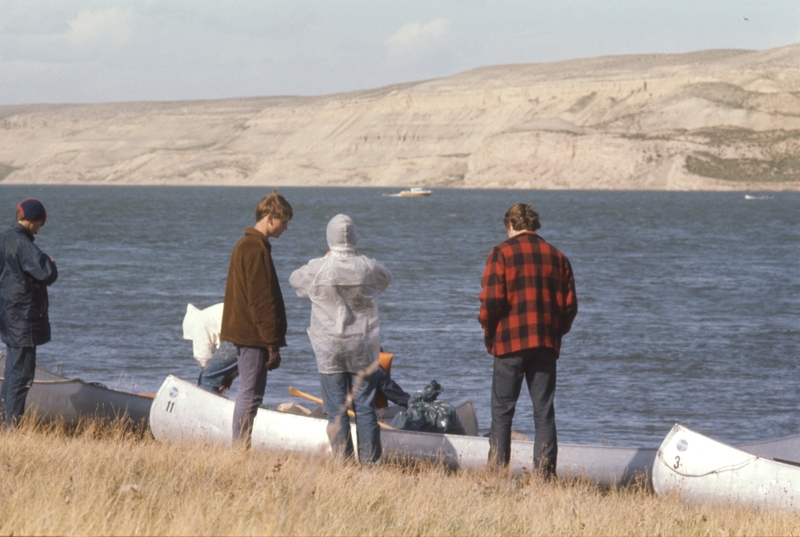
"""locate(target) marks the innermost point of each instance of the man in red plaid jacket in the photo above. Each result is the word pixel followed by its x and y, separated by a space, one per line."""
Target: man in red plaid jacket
pixel 528 303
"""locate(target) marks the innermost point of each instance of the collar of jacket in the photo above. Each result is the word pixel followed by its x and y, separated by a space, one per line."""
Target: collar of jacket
pixel 256 233
pixel 525 232
pixel 24 230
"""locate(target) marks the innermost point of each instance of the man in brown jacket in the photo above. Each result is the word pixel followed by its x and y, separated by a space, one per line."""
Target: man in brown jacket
pixel 254 316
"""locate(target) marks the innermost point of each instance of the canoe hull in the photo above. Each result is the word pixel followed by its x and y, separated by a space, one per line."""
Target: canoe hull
pixel 54 398
pixel 182 412
pixel 781 450
pixel 701 469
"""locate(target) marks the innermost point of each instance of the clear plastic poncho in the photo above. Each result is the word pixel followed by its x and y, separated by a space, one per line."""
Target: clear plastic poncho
pixel 343 287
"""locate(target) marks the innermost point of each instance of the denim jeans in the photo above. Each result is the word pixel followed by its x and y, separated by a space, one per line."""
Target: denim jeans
pixel 335 388
pixel 17 380
pixel 538 368
pixel 252 385
pixel 390 389
pixel 221 369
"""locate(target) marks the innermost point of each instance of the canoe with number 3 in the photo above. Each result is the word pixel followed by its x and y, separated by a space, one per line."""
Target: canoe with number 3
pixel 701 469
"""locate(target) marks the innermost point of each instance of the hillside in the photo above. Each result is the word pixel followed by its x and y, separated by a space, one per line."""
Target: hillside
pixel 711 120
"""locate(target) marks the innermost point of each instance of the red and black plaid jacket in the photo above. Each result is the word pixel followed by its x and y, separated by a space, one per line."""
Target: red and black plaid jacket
pixel 528 298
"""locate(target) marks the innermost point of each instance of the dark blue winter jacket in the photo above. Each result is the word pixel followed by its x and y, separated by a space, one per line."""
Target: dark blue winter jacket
pixel 25 273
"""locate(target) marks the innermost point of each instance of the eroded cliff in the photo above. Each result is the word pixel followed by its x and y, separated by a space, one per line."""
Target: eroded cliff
pixel 727 119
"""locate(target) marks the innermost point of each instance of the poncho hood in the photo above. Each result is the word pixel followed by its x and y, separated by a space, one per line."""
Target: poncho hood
pixel 341 234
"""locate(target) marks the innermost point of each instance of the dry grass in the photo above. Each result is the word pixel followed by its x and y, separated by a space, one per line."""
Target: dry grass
pixel 111 482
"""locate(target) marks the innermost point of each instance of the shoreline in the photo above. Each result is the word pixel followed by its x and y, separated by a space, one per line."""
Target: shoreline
pixel 119 484
pixel 747 188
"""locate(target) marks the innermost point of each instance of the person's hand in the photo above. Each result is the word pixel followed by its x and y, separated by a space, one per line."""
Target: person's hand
pixel 226 385
pixel 274 362
pixel 488 342
pixel 273 359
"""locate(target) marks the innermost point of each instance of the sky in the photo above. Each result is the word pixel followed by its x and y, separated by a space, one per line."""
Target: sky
pixel 89 51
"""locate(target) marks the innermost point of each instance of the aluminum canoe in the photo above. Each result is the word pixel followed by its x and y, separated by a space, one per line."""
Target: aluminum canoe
pixel 701 469
pixel 782 449
pixel 56 398
pixel 183 412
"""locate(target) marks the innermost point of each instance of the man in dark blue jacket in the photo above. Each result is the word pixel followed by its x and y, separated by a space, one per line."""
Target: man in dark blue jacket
pixel 25 273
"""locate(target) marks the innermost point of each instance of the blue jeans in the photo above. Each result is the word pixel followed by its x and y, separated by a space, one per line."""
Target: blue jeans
pixel 538 368
pixel 17 380
pixel 252 385
pixel 390 389
pixel 221 369
pixel 335 388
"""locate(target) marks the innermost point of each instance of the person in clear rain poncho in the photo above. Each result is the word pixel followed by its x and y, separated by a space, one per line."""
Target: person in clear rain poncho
pixel 345 333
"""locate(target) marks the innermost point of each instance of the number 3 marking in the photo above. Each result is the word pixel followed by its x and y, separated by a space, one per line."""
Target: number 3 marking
pixel 677 462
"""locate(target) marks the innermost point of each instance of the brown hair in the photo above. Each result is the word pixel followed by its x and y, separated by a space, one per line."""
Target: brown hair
pixel 521 216
pixel 20 216
pixel 276 205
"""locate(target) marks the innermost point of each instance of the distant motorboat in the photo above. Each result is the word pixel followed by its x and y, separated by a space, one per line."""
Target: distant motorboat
pixel 410 193
pixel 751 197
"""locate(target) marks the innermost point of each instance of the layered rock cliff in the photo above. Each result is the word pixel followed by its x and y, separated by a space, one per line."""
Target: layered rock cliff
pixel 714 120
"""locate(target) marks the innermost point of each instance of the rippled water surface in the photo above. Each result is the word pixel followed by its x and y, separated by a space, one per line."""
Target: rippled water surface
pixel 689 302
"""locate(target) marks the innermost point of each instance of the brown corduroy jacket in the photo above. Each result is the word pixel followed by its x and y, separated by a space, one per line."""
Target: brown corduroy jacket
pixel 254 314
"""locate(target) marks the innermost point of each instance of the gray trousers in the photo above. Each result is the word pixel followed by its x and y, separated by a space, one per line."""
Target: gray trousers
pixel 252 385
pixel 538 368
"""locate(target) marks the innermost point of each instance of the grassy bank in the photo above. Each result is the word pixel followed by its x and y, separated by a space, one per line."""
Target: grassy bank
pixel 100 481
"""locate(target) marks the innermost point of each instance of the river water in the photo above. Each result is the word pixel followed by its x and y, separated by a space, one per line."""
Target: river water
pixel 689 303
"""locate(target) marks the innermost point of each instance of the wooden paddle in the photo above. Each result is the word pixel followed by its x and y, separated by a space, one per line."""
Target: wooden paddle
pixel 314 399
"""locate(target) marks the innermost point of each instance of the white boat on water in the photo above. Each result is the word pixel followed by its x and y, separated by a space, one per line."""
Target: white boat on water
pixel 410 193
pixel 701 469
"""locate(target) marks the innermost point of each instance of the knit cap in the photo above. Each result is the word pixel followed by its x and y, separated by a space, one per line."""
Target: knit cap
pixel 32 210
